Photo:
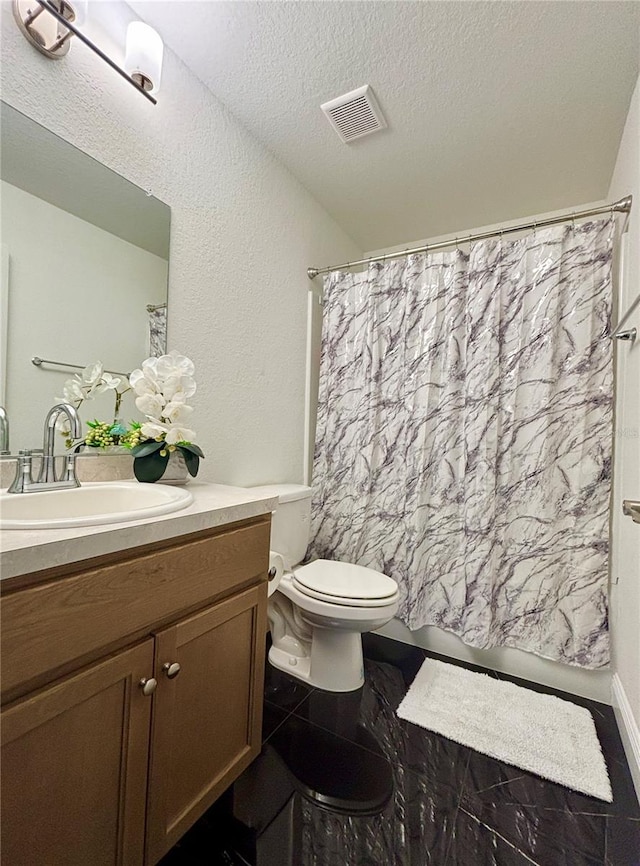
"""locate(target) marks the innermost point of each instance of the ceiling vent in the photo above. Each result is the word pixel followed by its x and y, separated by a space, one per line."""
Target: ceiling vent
pixel 355 114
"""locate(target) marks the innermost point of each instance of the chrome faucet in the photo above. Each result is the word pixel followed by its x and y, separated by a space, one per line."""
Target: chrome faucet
pixel 48 477
pixel 4 431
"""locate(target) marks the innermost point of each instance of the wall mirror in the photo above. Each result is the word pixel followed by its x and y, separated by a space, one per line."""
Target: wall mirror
pixel 84 267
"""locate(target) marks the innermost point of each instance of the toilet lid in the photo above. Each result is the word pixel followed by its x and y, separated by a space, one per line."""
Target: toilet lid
pixel 343 580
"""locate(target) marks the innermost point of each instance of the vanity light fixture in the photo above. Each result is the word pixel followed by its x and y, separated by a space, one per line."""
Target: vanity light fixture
pixel 143 56
pixel 51 34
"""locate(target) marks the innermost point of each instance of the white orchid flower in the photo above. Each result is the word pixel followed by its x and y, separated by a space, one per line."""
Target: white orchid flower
pixel 188 387
pixel 175 412
pixel 72 392
pixel 180 434
pixel 111 382
pixel 171 386
pixel 181 396
pixel 154 429
pixel 150 369
pixel 142 384
pixel 174 364
pixel 99 388
pixel 150 404
pixel 92 374
pixel 162 387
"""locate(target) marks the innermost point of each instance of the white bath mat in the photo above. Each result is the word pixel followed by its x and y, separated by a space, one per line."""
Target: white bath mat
pixel 543 734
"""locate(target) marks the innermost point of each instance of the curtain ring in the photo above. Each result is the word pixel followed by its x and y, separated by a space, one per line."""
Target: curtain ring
pixel 573 221
pixel 457 246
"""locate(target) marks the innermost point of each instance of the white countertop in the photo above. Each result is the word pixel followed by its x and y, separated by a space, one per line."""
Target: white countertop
pixel 23 551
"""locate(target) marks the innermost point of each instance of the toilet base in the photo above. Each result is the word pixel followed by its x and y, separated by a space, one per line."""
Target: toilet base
pixel 335 663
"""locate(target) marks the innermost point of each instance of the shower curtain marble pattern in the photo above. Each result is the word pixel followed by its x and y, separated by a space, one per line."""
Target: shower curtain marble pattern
pixel 158 331
pixel 463 443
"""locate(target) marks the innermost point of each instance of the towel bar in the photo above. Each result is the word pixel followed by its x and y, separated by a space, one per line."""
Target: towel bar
pixel 631 509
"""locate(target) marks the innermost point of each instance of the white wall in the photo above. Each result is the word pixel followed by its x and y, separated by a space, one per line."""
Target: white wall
pixel 53 295
pixel 625 563
pixel 243 232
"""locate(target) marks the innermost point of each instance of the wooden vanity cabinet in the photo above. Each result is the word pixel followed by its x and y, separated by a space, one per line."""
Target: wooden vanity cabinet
pixel 74 767
pixel 109 756
pixel 207 719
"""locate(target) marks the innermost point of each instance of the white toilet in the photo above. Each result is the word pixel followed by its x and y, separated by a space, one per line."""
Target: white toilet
pixel 319 610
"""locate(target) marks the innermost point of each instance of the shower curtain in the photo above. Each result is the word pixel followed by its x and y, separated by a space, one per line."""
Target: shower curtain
pixel 157 330
pixel 464 437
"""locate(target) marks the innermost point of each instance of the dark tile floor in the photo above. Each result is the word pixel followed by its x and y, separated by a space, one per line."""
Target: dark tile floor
pixel 341 781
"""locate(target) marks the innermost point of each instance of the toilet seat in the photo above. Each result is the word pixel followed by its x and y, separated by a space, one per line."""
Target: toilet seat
pixel 345 583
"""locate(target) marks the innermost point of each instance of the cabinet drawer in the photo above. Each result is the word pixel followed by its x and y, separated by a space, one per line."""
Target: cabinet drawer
pixel 49 626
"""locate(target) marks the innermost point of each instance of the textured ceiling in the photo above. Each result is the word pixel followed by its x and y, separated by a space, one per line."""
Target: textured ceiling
pixel 496 110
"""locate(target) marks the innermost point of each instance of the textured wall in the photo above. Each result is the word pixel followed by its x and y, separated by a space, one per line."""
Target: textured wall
pixel 625 564
pixel 243 233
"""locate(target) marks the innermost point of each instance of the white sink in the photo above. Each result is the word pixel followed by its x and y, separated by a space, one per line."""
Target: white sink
pixel 90 505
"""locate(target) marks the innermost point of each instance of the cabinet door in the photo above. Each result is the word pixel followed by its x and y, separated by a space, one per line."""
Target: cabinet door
pixel 74 767
pixel 207 718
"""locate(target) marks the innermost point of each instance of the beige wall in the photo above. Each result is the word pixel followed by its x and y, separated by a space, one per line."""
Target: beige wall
pixel 243 233
pixel 625 562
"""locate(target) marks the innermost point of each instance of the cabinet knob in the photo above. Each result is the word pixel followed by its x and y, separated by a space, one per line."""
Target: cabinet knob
pixel 171 669
pixel 149 685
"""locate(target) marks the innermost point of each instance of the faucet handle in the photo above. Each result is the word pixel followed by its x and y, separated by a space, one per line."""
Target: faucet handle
pixel 70 476
pixel 23 477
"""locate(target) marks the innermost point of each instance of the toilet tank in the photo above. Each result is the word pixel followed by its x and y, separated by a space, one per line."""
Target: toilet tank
pixel 290 522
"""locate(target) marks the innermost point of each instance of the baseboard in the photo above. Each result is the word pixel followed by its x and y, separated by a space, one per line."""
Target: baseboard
pixel 595 685
pixel 628 727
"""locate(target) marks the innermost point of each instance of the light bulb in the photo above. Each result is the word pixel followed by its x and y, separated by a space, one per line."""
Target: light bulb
pixel 80 9
pixel 143 56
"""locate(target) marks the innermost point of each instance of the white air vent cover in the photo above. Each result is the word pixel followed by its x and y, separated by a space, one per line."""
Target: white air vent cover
pixel 355 114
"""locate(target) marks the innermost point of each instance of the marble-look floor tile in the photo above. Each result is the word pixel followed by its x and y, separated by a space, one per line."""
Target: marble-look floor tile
pixel 272 717
pixel 331 770
pixel 406 658
pixel 208 842
pixel 371 712
pixel 491 781
pixel 282 690
pixel 474 843
pixel 544 820
pixel 623 842
pixel 546 836
pixel 338 804
pixel 342 781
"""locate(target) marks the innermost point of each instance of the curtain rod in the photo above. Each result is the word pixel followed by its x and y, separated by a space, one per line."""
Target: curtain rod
pixel 621 206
